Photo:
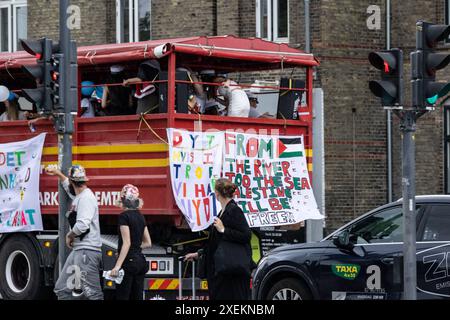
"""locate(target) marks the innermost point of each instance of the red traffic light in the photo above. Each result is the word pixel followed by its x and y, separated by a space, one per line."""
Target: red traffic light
pixel 386 67
pixel 385 61
pixel 33 47
pixel 54 75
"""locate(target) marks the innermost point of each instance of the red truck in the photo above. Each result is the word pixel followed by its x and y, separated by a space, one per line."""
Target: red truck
pixel 116 150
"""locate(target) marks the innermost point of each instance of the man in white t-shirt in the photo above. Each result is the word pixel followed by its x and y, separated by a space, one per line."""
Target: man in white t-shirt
pixel 235 98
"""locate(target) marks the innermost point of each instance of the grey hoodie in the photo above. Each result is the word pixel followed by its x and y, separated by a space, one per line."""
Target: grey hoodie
pixel 86 206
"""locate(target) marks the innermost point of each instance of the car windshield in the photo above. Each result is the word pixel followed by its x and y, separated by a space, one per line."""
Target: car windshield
pixel 381 227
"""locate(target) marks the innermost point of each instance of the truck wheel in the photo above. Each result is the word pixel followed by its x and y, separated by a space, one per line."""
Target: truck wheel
pixel 288 289
pixel 21 277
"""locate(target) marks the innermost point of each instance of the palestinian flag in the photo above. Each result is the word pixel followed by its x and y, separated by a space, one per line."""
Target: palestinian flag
pixel 290 147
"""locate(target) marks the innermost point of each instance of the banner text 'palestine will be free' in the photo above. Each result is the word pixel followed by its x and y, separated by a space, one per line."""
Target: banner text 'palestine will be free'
pixel 270 172
pixel 272 178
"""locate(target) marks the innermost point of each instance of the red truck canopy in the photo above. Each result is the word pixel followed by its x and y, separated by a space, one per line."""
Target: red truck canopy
pixel 226 47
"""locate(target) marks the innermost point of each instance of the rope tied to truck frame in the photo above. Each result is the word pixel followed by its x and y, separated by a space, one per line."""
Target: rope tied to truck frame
pixel 9 62
pixel 142 119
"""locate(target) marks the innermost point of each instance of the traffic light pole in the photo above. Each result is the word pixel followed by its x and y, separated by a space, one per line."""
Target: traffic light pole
pixel 408 128
pixel 64 129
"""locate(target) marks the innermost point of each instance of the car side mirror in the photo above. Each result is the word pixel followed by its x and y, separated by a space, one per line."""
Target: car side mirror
pixel 342 240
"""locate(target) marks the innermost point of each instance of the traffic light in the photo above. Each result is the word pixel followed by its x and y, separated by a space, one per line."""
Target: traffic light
pixel 56 78
pixel 390 87
pixel 42 50
pixel 425 62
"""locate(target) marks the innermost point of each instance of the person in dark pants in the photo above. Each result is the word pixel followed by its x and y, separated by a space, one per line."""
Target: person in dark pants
pixel 232 226
pixel 134 237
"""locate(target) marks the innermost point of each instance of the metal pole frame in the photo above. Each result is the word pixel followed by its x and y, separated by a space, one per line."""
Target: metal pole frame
pixel 408 119
pixel 64 121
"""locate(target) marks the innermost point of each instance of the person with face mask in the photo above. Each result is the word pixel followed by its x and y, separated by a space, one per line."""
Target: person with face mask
pixel 83 238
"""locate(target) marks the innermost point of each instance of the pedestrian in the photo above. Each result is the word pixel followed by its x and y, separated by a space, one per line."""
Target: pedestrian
pixel 80 276
pixel 133 237
pixel 230 228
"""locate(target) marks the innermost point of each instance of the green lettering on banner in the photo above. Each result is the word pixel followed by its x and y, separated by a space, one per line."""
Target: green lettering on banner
pixel 19 159
pixel 210 140
pixel 277 182
pixel 231 161
pixel 243 205
pixel 240 150
pixel 266 147
pixel 285 203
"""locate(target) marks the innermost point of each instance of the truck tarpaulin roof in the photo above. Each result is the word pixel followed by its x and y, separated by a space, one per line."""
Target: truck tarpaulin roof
pixel 225 47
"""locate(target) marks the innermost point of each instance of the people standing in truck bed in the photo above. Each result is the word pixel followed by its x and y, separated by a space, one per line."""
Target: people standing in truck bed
pixel 234 97
pixel 116 98
pixel 147 93
pixel 87 108
pixel 10 100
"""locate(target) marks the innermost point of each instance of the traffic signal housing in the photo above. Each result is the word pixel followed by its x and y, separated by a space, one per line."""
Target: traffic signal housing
pixel 425 62
pixel 390 87
pixel 43 49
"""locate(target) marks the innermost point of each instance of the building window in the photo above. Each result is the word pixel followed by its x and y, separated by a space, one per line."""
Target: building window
pixel 272 20
pixel 133 20
pixel 13 24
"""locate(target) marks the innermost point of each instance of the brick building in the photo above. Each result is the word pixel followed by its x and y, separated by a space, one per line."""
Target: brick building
pixel 355 124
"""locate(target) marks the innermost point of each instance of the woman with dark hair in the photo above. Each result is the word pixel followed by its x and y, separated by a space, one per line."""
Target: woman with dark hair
pixel 133 237
pixel 229 226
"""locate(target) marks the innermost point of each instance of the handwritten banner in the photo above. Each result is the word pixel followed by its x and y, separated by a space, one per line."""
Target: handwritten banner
pixel 19 185
pixel 272 178
pixel 195 162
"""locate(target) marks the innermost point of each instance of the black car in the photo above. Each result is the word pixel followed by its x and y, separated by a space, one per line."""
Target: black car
pixel 363 259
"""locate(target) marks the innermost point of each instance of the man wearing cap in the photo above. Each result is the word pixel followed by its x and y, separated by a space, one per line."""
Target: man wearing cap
pixel 253 105
pixel 80 276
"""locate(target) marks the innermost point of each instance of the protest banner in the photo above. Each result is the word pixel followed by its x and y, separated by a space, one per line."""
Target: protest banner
pixel 20 162
pixel 195 160
pixel 272 178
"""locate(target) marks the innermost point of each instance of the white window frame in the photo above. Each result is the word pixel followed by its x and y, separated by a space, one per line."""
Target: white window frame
pixel 8 6
pixel 275 23
pixel 272 21
pixel 133 18
pixel 14 27
pixel 12 5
